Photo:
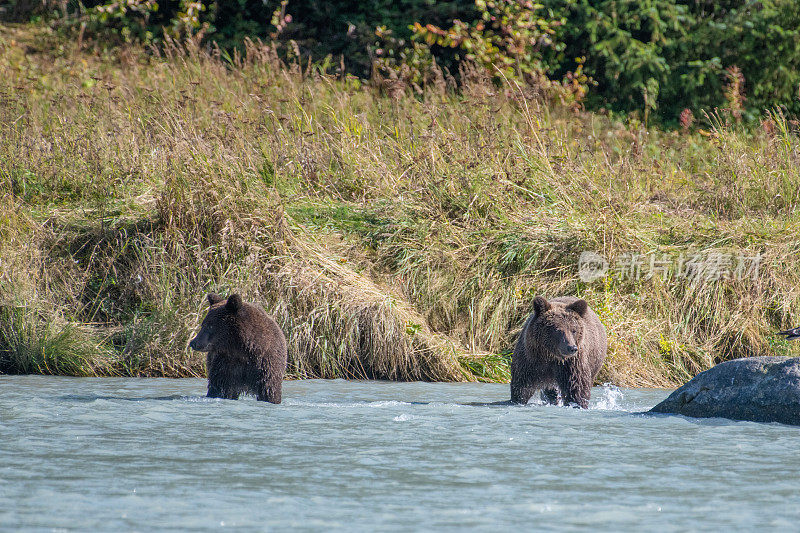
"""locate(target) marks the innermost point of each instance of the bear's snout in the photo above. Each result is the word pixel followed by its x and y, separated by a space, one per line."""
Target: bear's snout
pixel 198 345
pixel 567 349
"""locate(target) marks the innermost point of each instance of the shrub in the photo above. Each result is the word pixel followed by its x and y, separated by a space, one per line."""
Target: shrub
pixel 655 58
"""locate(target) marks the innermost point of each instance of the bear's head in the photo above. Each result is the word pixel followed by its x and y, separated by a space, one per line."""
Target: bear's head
pixel 217 328
pixel 559 327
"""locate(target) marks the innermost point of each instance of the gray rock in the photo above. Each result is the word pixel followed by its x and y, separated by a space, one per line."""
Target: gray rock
pixel 759 389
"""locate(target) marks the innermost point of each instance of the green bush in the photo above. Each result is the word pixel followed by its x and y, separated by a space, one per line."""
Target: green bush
pixel 664 56
pixel 654 58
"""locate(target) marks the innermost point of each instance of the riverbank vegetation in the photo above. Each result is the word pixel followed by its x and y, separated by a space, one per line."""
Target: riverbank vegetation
pixel 653 59
pixel 393 233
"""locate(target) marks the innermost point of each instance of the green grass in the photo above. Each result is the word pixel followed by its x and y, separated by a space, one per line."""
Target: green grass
pixel 397 237
pixel 31 343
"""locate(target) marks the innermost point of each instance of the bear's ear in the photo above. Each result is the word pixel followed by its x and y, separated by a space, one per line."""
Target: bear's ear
pixel 579 307
pixel 540 305
pixel 234 303
pixel 214 298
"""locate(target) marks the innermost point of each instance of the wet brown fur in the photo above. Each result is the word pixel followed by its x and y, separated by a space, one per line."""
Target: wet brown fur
pixel 542 359
pixel 246 350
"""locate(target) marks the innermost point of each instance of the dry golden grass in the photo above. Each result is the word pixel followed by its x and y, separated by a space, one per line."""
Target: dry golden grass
pixel 397 237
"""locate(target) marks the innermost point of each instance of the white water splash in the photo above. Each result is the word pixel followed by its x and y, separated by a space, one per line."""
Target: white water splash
pixel 610 398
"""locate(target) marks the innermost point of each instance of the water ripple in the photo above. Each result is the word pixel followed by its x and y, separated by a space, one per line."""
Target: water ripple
pixel 144 454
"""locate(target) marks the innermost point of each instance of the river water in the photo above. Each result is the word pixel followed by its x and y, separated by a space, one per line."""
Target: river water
pixel 111 454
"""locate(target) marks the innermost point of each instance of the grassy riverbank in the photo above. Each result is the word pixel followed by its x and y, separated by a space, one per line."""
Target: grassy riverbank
pixel 393 236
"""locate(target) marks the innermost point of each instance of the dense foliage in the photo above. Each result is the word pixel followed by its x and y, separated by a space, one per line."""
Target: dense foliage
pixel 667 55
pixel 651 57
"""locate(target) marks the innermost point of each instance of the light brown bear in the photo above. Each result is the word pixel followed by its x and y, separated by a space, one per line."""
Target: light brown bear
pixel 246 350
pixel 561 349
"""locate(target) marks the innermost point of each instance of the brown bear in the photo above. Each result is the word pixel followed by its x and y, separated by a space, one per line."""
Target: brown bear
pixel 246 350
pixel 560 349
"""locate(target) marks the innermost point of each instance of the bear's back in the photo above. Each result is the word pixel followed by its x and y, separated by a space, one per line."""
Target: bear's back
pixel 259 331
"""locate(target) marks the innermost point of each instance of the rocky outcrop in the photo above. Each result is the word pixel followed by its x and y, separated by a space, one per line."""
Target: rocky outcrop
pixel 759 389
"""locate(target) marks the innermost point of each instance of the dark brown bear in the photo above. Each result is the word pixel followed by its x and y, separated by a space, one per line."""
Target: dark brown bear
pixel 246 350
pixel 560 349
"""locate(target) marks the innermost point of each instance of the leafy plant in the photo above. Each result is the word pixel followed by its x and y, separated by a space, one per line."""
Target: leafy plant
pixel 507 41
pixel 123 20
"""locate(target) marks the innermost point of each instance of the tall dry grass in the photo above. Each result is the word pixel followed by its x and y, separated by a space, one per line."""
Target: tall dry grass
pixel 393 236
